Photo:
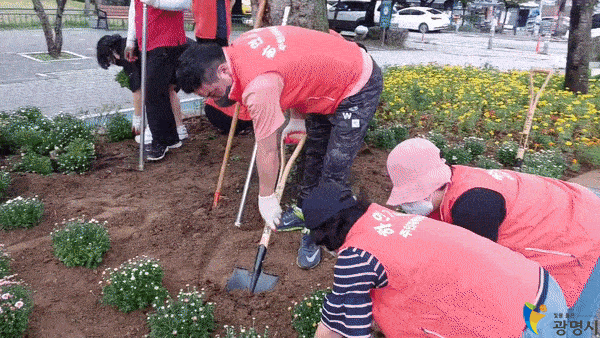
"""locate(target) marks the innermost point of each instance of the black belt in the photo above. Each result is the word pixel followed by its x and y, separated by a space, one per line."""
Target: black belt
pixel 540 302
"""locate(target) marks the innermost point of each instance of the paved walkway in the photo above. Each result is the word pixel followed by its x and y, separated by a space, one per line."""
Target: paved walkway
pixel 80 86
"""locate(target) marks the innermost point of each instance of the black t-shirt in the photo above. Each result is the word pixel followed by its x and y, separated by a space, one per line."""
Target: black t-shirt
pixel 132 69
pixel 481 211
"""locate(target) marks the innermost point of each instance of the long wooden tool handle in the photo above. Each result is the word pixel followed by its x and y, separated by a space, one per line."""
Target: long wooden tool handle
pixel 266 235
pixel 226 155
pixel 532 105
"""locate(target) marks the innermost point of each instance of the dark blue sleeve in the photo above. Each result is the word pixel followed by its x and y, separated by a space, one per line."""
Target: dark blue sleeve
pixel 348 309
pixel 481 211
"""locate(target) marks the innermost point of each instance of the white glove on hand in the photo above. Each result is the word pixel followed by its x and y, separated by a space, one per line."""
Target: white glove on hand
pixel 295 126
pixel 270 210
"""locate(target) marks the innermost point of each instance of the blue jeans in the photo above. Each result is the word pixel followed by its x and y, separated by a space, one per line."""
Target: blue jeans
pixel 586 307
pixel 555 303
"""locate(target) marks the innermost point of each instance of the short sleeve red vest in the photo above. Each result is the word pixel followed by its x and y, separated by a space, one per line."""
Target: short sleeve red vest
pixel 165 28
pixel 542 214
pixel 443 278
pixel 205 18
pixel 318 69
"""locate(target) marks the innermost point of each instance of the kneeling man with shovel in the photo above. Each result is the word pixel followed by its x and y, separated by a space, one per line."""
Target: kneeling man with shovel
pixel 332 86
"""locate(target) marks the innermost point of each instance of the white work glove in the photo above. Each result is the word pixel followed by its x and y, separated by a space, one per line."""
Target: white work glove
pixel 270 210
pixel 296 127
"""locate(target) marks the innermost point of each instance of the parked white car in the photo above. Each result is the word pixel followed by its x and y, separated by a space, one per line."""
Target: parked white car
pixel 423 19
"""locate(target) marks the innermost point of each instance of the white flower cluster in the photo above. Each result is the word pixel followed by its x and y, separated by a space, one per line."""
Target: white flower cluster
pixel 21 212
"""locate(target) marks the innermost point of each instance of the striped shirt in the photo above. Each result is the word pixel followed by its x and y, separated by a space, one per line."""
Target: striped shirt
pixel 348 310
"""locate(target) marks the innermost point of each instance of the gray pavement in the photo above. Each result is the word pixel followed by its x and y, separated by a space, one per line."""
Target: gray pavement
pixel 79 86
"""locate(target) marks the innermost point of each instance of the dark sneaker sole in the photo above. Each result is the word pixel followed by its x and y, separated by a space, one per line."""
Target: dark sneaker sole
pixel 176 145
pixel 150 158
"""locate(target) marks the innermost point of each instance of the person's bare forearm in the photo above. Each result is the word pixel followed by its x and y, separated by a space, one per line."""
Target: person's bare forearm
pixel 324 332
pixel 267 162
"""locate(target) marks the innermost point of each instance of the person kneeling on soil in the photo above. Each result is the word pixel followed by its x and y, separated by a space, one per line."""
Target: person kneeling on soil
pixel 550 221
pixel 416 277
pixel 110 50
pixel 331 82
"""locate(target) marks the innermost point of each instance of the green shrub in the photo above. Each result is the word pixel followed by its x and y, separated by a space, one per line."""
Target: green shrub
pixel 242 332
pixel 118 128
pixel 457 155
pixel 400 133
pixel 78 156
pixel 68 128
pixel 188 316
pixel 382 138
pixel 507 153
pixel 35 163
pixel 81 243
pixel 306 315
pixel 438 139
pixel 4 182
pixel 486 162
pixel 548 163
pixel 589 155
pixel 475 145
pixel 41 140
pixel 136 284
pixel 4 262
pixel 16 304
pixel 21 213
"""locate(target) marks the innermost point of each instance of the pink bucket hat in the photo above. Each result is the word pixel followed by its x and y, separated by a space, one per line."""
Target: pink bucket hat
pixel 416 170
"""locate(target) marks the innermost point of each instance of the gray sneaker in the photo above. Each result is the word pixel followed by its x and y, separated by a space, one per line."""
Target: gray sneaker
pixel 309 254
pixel 291 220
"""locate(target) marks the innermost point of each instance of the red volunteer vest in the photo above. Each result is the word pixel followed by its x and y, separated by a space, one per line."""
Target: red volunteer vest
pixel 205 18
pixel 165 28
pixel 443 278
pixel 541 214
pixel 319 69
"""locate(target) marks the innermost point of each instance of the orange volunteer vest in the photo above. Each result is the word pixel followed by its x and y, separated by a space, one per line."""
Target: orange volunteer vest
pixel 319 69
pixel 205 18
pixel 542 215
pixel 443 278
pixel 165 28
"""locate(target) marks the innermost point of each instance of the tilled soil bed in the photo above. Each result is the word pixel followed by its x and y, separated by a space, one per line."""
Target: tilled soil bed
pixel 165 212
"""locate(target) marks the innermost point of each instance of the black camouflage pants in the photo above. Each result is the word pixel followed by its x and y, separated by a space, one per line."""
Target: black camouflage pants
pixel 334 140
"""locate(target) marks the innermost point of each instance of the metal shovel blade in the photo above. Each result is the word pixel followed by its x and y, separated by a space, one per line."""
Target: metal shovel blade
pixel 242 280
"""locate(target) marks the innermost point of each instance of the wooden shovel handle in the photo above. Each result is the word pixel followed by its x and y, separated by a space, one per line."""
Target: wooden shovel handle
pixel 266 235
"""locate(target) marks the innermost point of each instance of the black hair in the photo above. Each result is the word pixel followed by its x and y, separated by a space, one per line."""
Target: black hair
pixel 198 64
pixel 332 233
pixel 105 48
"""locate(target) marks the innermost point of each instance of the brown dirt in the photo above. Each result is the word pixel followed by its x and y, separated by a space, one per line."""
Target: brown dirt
pixel 165 212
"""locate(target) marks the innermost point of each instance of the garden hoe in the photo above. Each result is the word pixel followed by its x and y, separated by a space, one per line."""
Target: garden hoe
pixel 234 119
pixel 257 280
pixel 533 101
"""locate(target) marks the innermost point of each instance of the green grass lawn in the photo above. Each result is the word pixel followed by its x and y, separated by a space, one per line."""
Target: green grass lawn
pixel 46 3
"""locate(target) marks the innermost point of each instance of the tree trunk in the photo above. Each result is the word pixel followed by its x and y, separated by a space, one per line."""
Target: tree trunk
pixel 370 14
pixel 579 46
pixel 303 13
pixel 53 38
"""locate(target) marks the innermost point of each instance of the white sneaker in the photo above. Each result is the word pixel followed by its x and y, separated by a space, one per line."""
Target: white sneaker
pixel 182 132
pixel 147 137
